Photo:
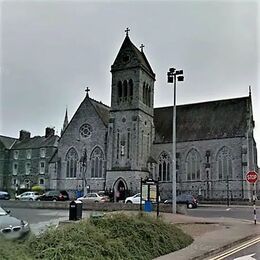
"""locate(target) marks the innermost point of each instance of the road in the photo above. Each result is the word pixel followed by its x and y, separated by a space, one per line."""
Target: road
pixel 249 250
pixel 41 219
pixel 238 212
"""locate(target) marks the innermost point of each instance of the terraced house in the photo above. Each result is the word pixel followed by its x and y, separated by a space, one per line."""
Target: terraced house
pixel 112 147
pixel 24 161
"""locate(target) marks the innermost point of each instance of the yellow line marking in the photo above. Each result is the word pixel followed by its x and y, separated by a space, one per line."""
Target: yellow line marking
pixel 236 249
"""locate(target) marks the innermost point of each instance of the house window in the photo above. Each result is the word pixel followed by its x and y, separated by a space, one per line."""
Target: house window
pixel 164 167
pixel 28 168
pixel 14 181
pixel 15 168
pixel 42 152
pixel 16 154
pixel 224 163
pixel 41 181
pixel 72 161
pixel 42 167
pixel 97 163
pixel 193 165
pixel 28 154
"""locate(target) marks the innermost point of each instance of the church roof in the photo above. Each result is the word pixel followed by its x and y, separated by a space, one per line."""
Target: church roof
pixel 137 58
pixel 7 141
pixel 201 121
pixel 37 142
pixel 102 110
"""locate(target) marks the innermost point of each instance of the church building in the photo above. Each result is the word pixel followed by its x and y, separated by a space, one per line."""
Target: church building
pixel 112 148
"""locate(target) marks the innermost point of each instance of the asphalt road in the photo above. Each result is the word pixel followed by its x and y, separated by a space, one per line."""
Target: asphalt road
pixel 34 216
pixel 243 212
pixel 249 250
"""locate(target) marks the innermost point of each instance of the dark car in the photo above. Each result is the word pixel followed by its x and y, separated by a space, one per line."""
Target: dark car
pixel 55 195
pixel 187 199
pixel 4 195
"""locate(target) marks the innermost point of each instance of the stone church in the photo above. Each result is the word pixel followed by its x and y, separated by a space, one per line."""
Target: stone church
pixel 112 148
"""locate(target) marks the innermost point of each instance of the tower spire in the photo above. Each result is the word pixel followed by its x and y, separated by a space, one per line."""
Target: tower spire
pixel 66 121
pixel 249 89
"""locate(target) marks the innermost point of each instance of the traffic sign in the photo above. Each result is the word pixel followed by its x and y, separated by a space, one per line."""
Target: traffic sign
pixel 251 177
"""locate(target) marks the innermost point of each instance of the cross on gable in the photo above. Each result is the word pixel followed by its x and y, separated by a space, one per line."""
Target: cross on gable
pixel 87 90
pixel 127 30
pixel 142 47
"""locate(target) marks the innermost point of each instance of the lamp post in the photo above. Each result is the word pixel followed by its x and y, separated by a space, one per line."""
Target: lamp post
pixel 174 76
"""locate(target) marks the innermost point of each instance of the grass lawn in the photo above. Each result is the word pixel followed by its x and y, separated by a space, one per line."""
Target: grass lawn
pixel 115 236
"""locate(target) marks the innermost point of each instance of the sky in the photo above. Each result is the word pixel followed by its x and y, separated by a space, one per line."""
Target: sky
pixel 52 50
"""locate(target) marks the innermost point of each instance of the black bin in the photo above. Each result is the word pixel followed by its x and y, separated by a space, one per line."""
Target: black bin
pixel 75 212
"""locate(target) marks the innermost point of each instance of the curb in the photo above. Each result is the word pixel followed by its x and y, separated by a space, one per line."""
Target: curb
pixel 223 248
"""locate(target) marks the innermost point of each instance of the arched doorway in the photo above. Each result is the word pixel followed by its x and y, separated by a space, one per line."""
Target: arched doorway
pixel 120 190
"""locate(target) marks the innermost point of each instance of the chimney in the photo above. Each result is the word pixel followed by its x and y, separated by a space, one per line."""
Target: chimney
pixel 49 132
pixel 24 135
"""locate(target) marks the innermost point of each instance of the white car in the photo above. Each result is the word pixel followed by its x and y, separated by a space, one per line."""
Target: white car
pixel 93 197
pixel 134 199
pixel 28 195
pixel 11 227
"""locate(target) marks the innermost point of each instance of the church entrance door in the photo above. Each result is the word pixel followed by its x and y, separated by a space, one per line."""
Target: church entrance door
pixel 120 189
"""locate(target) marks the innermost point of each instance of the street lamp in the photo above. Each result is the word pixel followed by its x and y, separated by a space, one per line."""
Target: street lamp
pixel 174 76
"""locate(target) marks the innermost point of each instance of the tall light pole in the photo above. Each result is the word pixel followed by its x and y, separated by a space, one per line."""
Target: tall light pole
pixel 174 76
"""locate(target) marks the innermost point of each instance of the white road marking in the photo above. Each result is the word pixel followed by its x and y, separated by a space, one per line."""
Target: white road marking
pixel 237 249
pixel 246 257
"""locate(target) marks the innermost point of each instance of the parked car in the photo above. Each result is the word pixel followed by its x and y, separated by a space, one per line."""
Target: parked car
pixel 11 227
pixel 134 199
pixel 54 195
pixel 187 199
pixel 28 195
pixel 4 195
pixel 94 197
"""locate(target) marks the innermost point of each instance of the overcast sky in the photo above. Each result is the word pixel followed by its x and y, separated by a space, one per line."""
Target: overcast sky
pixel 52 50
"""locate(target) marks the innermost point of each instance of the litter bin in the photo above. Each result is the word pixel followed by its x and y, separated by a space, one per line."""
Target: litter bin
pixel 148 206
pixel 75 212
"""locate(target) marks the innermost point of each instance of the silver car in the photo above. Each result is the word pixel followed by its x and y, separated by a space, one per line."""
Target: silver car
pixel 28 195
pixel 11 227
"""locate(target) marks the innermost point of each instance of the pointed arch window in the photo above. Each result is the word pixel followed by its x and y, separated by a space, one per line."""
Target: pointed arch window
pixel 144 92
pixel 125 89
pixel 164 167
pixel 131 86
pixel 120 89
pixel 72 161
pixel 193 163
pixel 224 164
pixel 97 163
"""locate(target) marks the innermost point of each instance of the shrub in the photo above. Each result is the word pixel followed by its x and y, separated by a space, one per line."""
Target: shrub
pixel 115 236
pixel 37 188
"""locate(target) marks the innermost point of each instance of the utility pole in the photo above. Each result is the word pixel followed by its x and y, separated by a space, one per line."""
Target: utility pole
pixel 172 78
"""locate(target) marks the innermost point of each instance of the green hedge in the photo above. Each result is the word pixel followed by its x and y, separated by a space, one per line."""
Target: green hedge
pixel 115 236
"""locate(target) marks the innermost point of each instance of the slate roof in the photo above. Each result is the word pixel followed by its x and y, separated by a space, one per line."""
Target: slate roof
pixel 202 121
pixel 102 110
pixel 37 142
pixel 7 141
pixel 129 47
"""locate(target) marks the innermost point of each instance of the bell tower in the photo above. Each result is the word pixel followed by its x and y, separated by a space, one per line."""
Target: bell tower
pixel 130 130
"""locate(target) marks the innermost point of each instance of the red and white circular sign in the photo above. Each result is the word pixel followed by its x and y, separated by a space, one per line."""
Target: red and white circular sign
pixel 251 177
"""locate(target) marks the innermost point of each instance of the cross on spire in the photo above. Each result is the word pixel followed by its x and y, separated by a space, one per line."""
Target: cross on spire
pixel 127 30
pixel 142 47
pixel 87 90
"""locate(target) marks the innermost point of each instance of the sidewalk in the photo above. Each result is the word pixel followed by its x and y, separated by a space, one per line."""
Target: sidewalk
pixel 211 235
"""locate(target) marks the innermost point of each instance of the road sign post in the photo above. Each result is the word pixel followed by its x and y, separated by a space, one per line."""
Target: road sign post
pixel 252 177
